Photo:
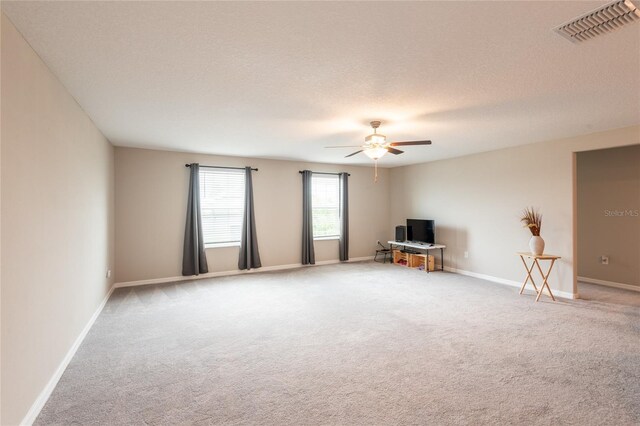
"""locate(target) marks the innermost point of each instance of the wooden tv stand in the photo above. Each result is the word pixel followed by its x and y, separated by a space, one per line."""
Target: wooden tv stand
pixel 415 259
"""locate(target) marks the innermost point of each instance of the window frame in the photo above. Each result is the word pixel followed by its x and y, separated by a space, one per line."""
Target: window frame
pixel 220 171
pixel 339 205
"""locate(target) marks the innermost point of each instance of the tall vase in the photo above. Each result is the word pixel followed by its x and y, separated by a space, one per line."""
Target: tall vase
pixel 536 245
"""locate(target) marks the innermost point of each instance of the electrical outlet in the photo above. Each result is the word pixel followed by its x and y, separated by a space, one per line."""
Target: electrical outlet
pixel 108 273
pixel 604 260
pixel 466 254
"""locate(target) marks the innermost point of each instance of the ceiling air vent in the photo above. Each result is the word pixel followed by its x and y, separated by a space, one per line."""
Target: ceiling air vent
pixel 603 20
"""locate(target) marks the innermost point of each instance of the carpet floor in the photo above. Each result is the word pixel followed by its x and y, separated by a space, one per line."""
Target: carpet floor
pixel 350 344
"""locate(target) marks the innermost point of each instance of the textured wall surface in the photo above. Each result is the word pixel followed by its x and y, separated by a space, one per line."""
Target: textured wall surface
pixel 151 199
pixel 57 223
pixel 476 202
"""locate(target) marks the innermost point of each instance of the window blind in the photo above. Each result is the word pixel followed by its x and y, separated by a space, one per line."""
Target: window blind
pixel 221 204
pixel 325 199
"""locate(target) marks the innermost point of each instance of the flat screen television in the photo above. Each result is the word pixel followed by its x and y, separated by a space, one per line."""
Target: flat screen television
pixel 421 231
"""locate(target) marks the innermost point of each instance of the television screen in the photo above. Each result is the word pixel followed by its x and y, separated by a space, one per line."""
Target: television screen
pixel 422 231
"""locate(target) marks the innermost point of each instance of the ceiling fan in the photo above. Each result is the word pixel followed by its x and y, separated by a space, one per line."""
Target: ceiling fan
pixel 376 145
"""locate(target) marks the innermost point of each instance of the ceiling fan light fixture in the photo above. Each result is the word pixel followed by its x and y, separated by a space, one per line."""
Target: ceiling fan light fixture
pixel 375 139
pixel 375 152
pixel 376 146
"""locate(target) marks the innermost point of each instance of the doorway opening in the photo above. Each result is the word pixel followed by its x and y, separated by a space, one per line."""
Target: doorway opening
pixel 607 228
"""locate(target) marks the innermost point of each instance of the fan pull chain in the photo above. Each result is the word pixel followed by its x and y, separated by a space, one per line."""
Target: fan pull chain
pixel 375 177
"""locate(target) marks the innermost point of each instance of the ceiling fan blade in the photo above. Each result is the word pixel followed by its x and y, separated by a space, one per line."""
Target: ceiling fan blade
pixel 410 143
pixel 394 151
pixel 345 146
pixel 353 153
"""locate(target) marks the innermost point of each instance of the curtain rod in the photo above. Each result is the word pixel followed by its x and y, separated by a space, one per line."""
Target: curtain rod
pixel 221 167
pixel 323 173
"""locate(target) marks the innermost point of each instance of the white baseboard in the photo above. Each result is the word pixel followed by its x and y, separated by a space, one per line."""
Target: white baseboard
pixel 33 412
pixel 563 294
pixel 234 272
pixel 609 283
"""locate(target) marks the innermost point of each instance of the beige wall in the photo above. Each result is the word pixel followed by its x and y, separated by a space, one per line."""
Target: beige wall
pixel 151 197
pixel 609 214
pixel 476 201
pixel 57 223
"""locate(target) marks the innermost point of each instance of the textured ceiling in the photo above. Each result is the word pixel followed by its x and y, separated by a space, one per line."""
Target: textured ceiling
pixel 282 80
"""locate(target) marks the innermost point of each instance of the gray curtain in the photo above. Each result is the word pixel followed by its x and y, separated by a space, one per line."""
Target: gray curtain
pixel 344 216
pixel 249 255
pixel 308 254
pixel 194 260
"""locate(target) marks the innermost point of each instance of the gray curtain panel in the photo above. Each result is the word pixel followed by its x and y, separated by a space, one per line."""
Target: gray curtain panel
pixel 308 254
pixel 249 255
pixel 194 260
pixel 344 216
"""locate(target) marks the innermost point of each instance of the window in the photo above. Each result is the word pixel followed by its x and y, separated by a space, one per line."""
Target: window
pixel 221 205
pixel 325 199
